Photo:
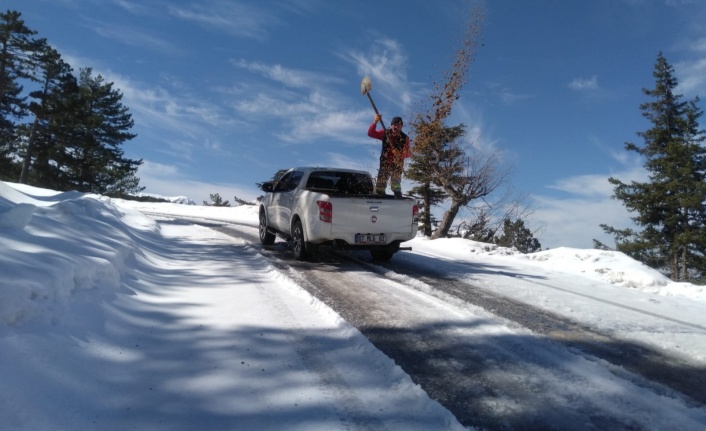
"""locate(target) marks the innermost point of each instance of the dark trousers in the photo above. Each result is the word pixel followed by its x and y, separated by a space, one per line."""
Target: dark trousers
pixel 389 171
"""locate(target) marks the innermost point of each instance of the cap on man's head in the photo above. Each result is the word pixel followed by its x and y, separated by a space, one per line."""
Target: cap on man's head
pixel 396 120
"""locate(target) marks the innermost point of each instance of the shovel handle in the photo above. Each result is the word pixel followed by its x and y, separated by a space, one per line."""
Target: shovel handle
pixel 376 110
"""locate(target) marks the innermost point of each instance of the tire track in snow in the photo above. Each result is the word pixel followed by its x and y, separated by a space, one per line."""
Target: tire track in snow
pixel 487 375
pixel 350 409
pixel 635 357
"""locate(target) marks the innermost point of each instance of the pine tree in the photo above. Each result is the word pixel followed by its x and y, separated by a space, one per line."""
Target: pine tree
pixel 427 196
pixel 216 201
pixel 437 159
pixel 16 45
pixel 240 201
pixel 55 162
pixel 515 234
pixel 92 158
pixel 480 230
pixel 78 126
pixel 424 166
pixel 671 206
pixel 53 73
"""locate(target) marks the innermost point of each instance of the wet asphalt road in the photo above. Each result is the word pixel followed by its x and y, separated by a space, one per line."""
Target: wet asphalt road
pixel 461 371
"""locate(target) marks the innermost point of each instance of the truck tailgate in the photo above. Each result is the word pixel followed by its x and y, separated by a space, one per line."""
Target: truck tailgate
pixel 371 216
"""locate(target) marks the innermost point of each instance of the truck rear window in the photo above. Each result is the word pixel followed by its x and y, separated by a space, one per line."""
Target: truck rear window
pixel 340 182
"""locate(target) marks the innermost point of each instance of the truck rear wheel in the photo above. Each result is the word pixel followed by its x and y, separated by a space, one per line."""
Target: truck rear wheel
pixel 298 244
pixel 266 237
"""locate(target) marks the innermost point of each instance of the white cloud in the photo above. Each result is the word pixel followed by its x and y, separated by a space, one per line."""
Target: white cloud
pixel 477 134
pixel 506 95
pixel 158 170
pixel 691 70
pixel 167 180
pixel 137 8
pixel 584 84
pixel 289 77
pixel 336 126
pixel 134 37
pixel 678 3
pixel 273 107
pixel 698 45
pixel 188 119
pixel 573 221
pixel 178 123
pixel 155 107
pixel 386 64
pixel 597 185
pixel 585 185
pixel 692 77
pixel 576 222
pixel 363 163
pixel 309 110
pixel 510 98
pixel 234 18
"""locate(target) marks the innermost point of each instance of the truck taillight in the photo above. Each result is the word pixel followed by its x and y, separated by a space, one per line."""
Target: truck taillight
pixel 415 213
pixel 325 211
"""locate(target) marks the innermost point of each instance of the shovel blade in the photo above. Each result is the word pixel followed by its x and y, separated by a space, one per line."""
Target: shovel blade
pixel 365 86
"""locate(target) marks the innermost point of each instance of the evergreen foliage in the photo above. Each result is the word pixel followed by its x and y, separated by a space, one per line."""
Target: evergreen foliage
pixel 241 201
pixel 216 201
pixel 423 166
pixel 480 230
pixel 670 207
pixel 427 196
pixel 515 234
pixel 274 178
pixel 51 75
pixel 76 127
pixel 16 45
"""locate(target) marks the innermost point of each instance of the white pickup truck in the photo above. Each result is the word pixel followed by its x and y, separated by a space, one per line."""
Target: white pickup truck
pixel 335 207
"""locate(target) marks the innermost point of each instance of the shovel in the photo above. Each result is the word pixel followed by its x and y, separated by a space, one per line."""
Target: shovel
pixel 365 87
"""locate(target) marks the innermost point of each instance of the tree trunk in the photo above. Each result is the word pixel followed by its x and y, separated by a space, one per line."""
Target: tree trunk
pixel 448 220
pixel 28 154
pixel 427 210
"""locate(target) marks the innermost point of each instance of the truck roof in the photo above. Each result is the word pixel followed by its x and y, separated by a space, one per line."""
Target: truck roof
pixel 319 168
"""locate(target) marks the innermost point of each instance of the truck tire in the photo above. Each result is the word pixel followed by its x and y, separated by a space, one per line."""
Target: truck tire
pixel 298 245
pixel 266 237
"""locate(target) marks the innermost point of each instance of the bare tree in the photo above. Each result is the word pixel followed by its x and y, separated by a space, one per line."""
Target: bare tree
pixel 481 174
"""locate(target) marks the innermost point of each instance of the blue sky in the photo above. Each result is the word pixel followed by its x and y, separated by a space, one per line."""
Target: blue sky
pixel 226 92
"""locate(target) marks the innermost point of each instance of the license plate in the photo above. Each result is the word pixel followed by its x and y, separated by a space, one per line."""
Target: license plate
pixel 369 238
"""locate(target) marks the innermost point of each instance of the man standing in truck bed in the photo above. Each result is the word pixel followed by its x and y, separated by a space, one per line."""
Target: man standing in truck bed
pixel 395 148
